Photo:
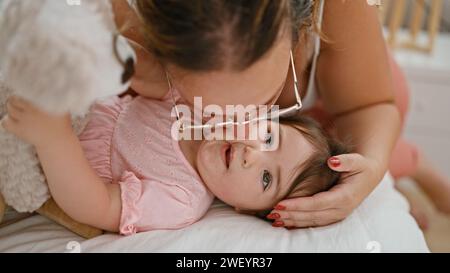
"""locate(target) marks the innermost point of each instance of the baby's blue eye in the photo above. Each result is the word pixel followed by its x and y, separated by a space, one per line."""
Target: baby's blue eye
pixel 266 179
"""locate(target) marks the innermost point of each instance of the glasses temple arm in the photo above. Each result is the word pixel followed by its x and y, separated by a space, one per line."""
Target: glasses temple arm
pixel 297 95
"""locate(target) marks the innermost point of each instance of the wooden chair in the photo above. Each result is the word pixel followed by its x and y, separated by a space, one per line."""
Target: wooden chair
pixel 393 15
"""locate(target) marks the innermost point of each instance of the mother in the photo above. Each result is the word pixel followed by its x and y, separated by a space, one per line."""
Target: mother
pixel 238 52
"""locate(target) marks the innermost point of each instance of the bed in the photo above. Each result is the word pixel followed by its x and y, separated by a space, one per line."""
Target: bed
pixel 380 224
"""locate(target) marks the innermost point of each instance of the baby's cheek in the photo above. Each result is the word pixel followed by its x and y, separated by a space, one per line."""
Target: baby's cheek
pixel 227 192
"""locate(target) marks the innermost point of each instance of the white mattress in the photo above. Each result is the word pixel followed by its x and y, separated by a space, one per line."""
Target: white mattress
pixel 380 224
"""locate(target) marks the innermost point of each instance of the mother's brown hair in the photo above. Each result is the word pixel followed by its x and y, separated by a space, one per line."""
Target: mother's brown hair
pixel 209 35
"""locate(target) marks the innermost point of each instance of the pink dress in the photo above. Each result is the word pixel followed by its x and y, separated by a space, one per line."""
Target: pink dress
pixel 128 141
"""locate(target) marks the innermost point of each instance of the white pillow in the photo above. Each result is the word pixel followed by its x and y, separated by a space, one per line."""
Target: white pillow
pixel 380 224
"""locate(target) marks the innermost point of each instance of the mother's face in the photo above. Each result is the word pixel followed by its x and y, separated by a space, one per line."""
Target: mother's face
pixel 259 84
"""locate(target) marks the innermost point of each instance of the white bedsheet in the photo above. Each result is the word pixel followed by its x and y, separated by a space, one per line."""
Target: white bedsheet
pixel 380 224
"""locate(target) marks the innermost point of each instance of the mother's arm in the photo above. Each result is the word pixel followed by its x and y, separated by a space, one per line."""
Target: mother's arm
pixel 355 79
pixel 355 83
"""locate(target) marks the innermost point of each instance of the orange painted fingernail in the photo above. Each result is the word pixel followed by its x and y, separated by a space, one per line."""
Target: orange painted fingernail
pixel 280 207
pixel 278 223
pixel 335 162
pixel 273 216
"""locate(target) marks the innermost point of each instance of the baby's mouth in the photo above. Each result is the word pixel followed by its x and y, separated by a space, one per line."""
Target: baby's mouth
pixel 226 154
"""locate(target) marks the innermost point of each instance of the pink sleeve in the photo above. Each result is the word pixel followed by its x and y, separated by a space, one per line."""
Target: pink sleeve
pixel 149 205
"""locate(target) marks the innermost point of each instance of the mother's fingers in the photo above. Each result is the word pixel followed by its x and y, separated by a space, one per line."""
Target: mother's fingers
pixel 309 219
pixel 319 201
pixel 346 163
pixel 307 224
pixel 310 216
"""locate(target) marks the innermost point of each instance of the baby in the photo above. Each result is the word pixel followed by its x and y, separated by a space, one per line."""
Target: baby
pixel 125 173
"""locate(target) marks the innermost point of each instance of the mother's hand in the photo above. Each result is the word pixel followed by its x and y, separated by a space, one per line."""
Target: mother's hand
pixel 359 177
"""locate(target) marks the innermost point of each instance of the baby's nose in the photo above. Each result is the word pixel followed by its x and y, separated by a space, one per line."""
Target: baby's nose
pixel 248 156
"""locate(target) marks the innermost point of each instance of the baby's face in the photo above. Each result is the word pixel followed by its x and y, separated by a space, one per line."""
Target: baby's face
pixel 243 175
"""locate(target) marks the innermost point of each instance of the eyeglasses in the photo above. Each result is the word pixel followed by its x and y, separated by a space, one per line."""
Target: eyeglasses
pixel 273 112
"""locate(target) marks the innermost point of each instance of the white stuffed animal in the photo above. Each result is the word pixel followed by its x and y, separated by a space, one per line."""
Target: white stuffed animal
pixel 61 57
